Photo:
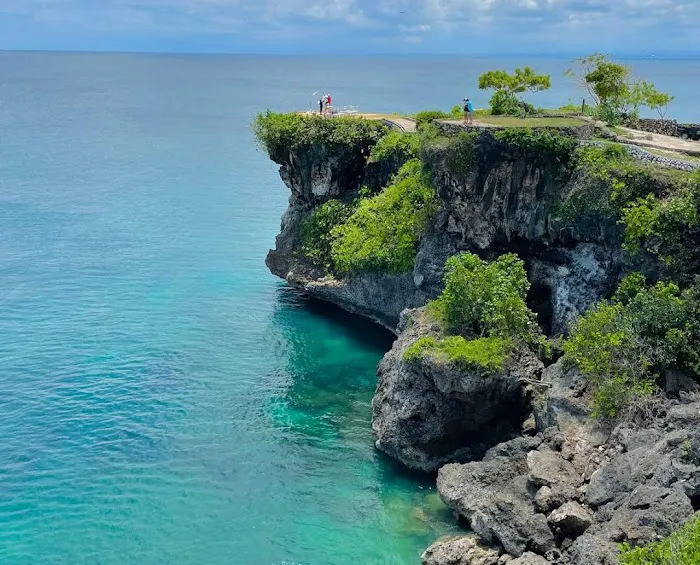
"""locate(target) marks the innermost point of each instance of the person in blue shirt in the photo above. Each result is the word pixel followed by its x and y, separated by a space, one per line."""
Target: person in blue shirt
pixel 468 112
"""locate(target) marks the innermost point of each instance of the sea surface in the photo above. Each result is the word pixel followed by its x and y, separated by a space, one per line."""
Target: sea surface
pixel 163 398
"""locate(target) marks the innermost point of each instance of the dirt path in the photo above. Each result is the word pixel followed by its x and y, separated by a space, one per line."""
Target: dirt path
pixel 663 142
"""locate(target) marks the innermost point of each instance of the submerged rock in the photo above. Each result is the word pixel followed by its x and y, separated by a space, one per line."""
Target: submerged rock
pixel 460 550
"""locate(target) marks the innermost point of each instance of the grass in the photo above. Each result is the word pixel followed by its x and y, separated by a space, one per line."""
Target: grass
pixel 673 155
pixel 513 122
pixel 488 354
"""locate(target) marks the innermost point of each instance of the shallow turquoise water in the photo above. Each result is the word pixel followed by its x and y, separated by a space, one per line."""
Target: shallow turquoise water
pixel 163 398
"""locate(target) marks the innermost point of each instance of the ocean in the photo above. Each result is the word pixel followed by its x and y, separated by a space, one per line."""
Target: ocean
pixel 163 398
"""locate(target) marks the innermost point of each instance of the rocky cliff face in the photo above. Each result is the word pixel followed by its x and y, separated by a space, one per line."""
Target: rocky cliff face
pixel 507 200
pixel 518 456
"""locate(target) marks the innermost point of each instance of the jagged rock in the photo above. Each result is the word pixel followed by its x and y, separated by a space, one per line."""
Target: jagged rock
pixel 430 412
pixel 494 495
pixel 460 550
pixel 571 519
pixel 589 550
pixel 529 559
pixel 549 468
pixel 548 499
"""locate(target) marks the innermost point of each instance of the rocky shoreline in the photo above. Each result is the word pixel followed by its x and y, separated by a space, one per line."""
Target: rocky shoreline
pixel 518 457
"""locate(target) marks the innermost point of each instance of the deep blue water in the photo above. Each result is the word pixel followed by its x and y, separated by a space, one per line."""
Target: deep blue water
pixel 163 398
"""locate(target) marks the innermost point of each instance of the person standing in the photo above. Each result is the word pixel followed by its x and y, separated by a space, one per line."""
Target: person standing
pixel 320 106
pixel 329 107
pixel 468 112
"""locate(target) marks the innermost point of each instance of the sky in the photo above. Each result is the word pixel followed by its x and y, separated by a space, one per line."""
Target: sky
pixel 337 27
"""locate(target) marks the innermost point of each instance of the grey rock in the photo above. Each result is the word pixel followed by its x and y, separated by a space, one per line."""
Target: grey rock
pixel 494 495
pixel 589 550
pixel 460 550
pixel 549 468
pixel 571 519
pixel 530 559
pixel 430 412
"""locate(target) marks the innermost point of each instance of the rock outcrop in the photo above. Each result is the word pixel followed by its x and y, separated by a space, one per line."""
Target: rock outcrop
pixel 575 491
pixel 507 200
pixel 429 412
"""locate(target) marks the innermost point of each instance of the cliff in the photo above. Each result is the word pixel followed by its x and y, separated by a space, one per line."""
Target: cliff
pixel 549 460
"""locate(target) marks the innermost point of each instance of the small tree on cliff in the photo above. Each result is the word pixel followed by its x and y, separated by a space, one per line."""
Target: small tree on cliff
pixel 507 86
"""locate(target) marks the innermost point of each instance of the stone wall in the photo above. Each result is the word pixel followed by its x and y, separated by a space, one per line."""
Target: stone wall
pixel 663 127
pixel 584 131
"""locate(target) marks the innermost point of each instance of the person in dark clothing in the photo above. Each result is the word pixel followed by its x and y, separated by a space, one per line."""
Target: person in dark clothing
pixel 320 106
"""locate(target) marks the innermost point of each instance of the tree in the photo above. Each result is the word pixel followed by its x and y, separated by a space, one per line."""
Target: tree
pixel 508 86
pixel 610 86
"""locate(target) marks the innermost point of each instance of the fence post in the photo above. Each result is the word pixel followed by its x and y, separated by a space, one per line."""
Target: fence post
pixel 583 107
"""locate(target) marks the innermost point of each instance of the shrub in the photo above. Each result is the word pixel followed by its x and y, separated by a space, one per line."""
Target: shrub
pixel 488 354
pixel 427 116
pixel 382 232
pixel 542 145
pixel 486 298
pixel 461 154
pixel 623 346
pixel 508 86
pixel 395 148
pixel 316 238
pixel 681 547
pixel 279 133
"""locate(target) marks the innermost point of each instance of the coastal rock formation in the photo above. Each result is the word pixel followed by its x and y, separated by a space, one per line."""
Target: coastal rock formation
pixel 507 200
pixel 574 492
pixel 429 412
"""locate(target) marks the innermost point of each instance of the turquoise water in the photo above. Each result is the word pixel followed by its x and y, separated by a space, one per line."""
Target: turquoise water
pixel 163 398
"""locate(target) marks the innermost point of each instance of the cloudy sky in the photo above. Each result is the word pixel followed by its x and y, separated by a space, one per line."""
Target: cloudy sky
pixel 354 26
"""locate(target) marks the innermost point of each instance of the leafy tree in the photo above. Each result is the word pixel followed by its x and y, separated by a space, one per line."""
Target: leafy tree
pixel 610 85
pixel 508 86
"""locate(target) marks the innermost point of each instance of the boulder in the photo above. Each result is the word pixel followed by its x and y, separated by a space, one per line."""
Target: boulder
pixel 529 559
pixel 589 550
pixel 495 496
pixel 571 519
pixel 460 550
pixel 549 468
pixel 429 412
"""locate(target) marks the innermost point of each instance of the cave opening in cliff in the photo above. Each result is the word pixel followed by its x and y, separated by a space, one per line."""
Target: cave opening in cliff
pixel 539 299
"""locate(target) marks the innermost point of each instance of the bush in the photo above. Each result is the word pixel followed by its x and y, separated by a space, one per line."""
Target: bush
pixel 461 154
pixel 488 354
pixel 542 145
pixel 682 547
pixel 316 238
pixel 622 347
pixel 395 147
pixel 486 298
pixel 279 133
pixel 382 233
pixel 426 117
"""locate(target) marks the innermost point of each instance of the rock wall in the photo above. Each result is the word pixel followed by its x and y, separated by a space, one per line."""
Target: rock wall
pixel 663 127
pixel 508 201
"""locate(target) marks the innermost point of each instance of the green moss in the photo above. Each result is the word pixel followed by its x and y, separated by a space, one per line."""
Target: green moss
pixel 682 548
pixel 461 154
pixel 381 235
pixel 280 133
pixel 488 354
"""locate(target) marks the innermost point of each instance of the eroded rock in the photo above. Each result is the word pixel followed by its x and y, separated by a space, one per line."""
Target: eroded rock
pixel 460 550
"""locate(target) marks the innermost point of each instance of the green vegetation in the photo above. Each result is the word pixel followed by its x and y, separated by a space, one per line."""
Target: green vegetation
pixel 316 232
pixel 624 346
pixel 461 154
pixel 532 121
pixel 395 147
pixel 280 133
pixel 486 353
pixel 382 232
pixel 505 100
pixel 542 145
pixel 681 548
pixel 615 93
pixel 483 308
